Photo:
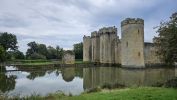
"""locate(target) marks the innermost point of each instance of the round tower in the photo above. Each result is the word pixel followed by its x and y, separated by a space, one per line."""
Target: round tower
pixel 86 48
pixel 107 51
pixel 95 42
pixel 132 43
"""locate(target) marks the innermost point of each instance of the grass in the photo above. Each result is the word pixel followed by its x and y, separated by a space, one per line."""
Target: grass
pixel 130 94
pixel 141 93
pixel 42 62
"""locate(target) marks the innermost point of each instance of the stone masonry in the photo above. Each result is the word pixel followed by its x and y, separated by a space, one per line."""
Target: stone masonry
pixel 105 47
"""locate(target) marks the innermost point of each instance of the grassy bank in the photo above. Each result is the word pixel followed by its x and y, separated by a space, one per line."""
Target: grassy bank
pixel 142 93
pixel 40 62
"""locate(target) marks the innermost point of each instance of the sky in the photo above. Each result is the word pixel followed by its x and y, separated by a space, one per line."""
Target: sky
pixel 65 22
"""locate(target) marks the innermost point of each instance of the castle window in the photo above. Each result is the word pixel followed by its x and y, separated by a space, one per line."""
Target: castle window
pixel 139 54
pixel 127 44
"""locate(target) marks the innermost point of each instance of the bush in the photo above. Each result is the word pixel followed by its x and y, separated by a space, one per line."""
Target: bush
pixel 37 56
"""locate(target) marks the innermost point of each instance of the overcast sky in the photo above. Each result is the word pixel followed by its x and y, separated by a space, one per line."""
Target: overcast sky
pixel 64 22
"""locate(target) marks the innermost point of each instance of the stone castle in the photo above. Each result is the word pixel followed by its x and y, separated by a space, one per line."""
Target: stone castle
pixel 105 47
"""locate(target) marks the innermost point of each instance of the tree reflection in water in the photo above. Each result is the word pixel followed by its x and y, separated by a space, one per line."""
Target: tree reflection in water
pixel 7 82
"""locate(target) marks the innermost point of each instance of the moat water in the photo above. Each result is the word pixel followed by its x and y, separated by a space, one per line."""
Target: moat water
pixel 24 81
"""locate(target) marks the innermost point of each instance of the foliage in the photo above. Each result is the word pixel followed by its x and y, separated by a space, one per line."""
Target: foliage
pixel 15 55
pixel 32 48
pixel 52 53
pixel 43 52
pixel 78 50
pixel 7 83
pixel 69 52
pixel 37 56
pixel 2 54
pixel 8 41
pixel 60 52
pixel 166 42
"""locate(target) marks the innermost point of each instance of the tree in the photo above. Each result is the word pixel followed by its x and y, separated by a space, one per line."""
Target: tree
pixel 33 48
pixel 2 54
pixel 43 52
pixel 19 55
pixel 8 41
pixel 37 56
pixel 78 50
pixel 166 42
pixel 36 51
pixel 52 53
pixel 60 52
pixel 42 49
pixel 15 55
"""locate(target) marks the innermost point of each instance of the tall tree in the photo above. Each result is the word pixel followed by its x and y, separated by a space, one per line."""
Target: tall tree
pixel 166 41
pixel 8 41
pixel 78 50
pixel 42 49
pixel 60 52
pixel 52 53
pixel 32 48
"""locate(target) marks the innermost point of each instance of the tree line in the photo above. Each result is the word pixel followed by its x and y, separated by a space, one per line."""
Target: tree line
pixel 9 49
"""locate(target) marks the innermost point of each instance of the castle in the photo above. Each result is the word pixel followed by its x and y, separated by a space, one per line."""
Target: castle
pixel 105 47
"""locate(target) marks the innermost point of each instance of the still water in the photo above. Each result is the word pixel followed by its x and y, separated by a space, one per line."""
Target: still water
pixel 25 81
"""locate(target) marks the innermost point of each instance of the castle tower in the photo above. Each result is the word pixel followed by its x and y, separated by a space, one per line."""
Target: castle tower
pixel 95 42
pixel 107 45
pixel 132 43
pixel 86 48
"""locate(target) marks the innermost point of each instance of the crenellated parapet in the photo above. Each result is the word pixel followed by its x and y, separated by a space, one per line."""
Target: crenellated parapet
pixel 94 34
pixel 86 37
pixel 132 21
pixel 108 30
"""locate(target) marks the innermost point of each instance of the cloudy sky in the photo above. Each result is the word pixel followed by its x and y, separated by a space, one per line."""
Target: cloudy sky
pixel 64 22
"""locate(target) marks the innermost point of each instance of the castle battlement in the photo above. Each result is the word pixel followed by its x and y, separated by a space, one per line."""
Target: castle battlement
pixel 106 30
pixel 85 37
pixel 105 47
pixel 94 34
pixel 132 21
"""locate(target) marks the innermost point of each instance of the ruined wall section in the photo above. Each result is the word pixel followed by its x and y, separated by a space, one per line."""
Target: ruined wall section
pixel 132 43
pixel 107 47
pixel 95 43
pixel 86 48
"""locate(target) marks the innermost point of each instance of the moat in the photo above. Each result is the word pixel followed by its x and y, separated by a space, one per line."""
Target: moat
pixel 42 80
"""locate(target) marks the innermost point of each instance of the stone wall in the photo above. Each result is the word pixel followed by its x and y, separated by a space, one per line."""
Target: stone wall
pixel 87 48
pixel 68 57
pixel 150 55
pixel 132 43
pixel 107 44
pixel 117 51
pixel 95 43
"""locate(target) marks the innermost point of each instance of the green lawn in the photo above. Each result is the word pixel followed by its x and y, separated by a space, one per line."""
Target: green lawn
pixel 42 62
pixel 142 93
pixel 130 94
